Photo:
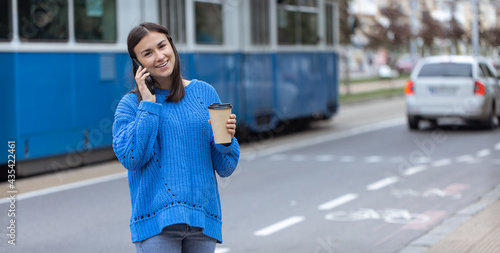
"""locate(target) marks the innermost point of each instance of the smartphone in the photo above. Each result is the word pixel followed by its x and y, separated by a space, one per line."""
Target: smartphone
pixel 149 80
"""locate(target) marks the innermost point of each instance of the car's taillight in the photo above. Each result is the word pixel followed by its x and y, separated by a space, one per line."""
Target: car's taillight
pixel 409 89
pixel 479 88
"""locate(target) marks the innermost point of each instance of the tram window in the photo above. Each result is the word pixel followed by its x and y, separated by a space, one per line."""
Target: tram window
pixel 209 29
pixel 5 21
pixel 330 28
pixel 259 14
pixel 297 22
pixel 95 21
pixel 43 20
pixel 309 28
pixel 172 16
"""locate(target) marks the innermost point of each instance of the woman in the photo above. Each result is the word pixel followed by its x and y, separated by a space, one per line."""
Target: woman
pixel 165 142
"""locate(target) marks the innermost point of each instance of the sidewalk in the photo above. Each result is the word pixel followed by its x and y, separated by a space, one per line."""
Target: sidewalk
pixel 474 229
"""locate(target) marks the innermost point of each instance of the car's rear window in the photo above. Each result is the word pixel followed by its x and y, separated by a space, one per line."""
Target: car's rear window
pixel 446 69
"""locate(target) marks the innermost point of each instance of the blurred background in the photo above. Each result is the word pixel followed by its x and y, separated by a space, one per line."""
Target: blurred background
pixel 296 55
pixel 318 87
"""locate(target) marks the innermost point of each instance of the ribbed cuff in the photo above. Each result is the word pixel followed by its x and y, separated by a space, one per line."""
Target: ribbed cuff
pixel 151 107
pixel 226 149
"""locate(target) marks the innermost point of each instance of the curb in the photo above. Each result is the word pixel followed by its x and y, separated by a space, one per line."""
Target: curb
pixel 450 224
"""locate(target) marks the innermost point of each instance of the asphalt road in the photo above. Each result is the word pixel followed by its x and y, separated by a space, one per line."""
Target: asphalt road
pixel 372 186
pixel 371 192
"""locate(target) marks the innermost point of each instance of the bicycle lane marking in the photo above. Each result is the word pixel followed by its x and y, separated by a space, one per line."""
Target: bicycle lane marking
pixel 389 215
pixel 434 217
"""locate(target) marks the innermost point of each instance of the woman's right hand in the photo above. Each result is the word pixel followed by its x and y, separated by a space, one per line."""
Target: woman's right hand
pixel 140 79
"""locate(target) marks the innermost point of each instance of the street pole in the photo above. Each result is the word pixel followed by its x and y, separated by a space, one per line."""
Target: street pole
pixel 475 29
pixel 413 30
pixel 452 22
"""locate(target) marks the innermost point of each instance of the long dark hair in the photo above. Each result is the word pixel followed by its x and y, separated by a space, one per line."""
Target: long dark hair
pixel 134 37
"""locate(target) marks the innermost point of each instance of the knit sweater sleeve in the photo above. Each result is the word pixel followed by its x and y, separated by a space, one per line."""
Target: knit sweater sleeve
pixel 225 158
pixel 134 131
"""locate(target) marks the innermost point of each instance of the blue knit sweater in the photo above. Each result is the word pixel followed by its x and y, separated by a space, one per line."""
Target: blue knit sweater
pixel 169 152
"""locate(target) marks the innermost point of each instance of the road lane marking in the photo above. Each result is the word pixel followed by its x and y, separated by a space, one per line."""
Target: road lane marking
pixel 337 202
pixel 483 153
pixel 441 163
pixel 423 160
pixel 497 146
pixel 221 250
pixel 382 183
pixel 414 170
pixel 465 158
pixel 374 159
pixel 279 226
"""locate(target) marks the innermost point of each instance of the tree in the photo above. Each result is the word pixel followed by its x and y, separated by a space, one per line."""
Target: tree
pixel 430 30
pixel 454 31
pixel 344 27
pixel 391 31
pixel 490 36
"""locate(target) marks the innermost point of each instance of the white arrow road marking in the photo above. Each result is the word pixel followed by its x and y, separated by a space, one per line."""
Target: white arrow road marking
pixel 382 183
pixel 279 226
pixel 337 202
pixel 221 250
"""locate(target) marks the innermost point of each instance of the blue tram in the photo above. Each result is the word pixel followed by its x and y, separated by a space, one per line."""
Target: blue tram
pixel 65 67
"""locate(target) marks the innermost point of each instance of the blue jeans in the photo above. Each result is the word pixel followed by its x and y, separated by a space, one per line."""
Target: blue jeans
pixel 178 238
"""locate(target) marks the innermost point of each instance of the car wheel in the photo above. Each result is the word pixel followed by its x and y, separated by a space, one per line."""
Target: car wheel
pixel 491 121
pixel 433 123
pixel 413 123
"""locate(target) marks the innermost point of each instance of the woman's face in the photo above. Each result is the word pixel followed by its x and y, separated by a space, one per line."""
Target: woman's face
pixel 155 53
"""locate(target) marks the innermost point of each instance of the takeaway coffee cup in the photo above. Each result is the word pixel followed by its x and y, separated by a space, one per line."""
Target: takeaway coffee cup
pixel 219 114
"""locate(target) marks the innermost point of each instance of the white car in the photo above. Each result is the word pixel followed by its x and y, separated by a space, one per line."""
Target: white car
pixel 463 87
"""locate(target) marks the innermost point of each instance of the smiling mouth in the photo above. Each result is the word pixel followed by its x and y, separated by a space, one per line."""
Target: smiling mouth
pixel 162 65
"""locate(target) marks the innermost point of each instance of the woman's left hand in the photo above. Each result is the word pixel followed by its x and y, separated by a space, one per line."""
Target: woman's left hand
pixel 231 125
